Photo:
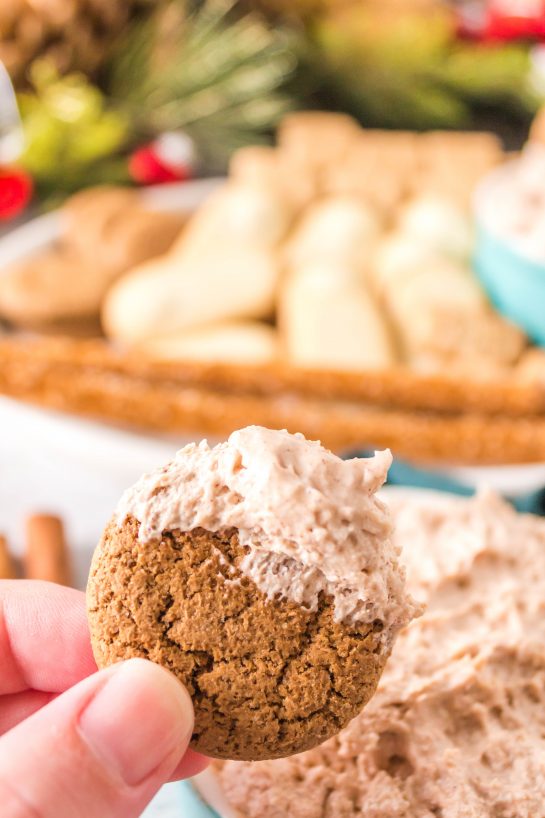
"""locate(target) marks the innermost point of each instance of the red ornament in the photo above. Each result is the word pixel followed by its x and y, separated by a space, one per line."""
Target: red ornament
pixel 169 158
pixel 516 19
pixel 502 20
pixel 16 190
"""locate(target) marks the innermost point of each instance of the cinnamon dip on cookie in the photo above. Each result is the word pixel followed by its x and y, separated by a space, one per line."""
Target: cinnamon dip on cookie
pixel 263 573
pixel 457 726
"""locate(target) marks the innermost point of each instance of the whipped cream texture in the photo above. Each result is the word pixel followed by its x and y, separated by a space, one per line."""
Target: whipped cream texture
pixel 513 204
pixel 457 726
pixel 312 523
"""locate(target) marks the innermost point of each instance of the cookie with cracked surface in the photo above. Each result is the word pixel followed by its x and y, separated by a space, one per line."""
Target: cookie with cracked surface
pixel 267 678
pixel 262 574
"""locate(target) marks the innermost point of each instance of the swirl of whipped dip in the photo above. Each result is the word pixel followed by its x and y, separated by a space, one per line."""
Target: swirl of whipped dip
pixel 311 522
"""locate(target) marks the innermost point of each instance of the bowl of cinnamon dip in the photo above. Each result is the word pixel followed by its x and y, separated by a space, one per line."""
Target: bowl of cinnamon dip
pixel 510 246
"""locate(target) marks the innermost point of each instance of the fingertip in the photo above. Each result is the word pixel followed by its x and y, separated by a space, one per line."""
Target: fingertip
pixel 104 747
pixel 140 721
pixel 161 680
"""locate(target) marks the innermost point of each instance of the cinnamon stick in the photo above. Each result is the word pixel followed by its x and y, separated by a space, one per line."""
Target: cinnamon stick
pixel 7 565
pixel 46 555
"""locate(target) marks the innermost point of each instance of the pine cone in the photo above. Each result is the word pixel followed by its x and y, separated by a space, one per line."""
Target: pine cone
pixel 74 34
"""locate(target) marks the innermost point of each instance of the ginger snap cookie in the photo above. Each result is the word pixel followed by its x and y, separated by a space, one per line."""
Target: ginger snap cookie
pixel 262 573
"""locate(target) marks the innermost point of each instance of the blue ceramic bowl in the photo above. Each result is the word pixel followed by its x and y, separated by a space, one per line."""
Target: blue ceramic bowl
pixel 515 283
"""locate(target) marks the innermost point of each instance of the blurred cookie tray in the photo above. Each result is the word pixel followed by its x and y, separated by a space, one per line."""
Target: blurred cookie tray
pixel 325 287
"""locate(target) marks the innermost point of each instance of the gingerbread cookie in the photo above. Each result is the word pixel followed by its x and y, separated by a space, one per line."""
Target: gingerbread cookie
pixel 261 572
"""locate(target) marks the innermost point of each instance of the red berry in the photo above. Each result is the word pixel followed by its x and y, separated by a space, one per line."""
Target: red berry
pixel 146 168
pixel 169 158
pixel 16 190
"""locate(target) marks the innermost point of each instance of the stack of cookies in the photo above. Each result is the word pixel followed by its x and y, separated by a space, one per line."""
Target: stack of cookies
pixel 340 248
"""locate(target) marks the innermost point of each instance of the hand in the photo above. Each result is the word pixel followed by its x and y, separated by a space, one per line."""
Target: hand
pixel 77 742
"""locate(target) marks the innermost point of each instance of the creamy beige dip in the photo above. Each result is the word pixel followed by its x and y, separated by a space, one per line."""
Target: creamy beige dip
pixel 312 523
pixel 457 727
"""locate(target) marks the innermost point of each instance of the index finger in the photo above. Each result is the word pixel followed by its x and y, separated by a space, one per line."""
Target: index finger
pixel 44 638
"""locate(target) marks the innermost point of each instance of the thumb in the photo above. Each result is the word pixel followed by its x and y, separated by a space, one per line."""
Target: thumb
pixel 101 750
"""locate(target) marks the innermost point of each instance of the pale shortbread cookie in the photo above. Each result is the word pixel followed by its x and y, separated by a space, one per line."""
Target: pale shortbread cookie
pixel 224 266
pixel 317 138
pixel 236 342
pixel 340 230
pixel 330 320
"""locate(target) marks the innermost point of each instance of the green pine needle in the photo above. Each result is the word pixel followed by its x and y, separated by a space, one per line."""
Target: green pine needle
pixel 219 77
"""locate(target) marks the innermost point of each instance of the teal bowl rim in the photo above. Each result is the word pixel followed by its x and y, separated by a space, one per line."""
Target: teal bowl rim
pixel 525 263
pixel 484 224
pixel 513 278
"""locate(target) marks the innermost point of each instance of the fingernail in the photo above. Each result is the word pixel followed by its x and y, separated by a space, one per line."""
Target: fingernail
pixel 140 720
